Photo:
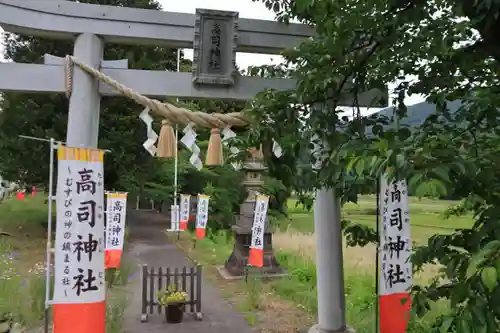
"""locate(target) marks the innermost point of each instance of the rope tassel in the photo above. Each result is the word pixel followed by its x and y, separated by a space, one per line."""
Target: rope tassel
pixel 215 155
pixel 166 143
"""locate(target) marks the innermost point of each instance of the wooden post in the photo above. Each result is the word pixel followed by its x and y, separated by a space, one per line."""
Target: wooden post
pixel 192 275
pixel 144 289
pixel 198 288
pixel 168 277
pixel 183 282
pixel 151 289
pixel 160 272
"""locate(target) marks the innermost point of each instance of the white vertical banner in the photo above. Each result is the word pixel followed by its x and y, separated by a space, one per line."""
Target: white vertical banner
pixel 202 215
pixel 174 218
pixel 256 256
pixel 395 241
pixel 116 211
pixel 395 249
pixel 184 210
pixel 79 241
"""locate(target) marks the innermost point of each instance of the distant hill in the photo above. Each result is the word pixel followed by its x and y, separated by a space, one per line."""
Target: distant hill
pixel 417 113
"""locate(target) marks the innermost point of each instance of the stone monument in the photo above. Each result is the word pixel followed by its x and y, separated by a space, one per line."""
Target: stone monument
pixel 236 265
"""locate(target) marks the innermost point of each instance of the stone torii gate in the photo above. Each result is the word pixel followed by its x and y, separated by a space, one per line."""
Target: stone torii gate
pixel 93 25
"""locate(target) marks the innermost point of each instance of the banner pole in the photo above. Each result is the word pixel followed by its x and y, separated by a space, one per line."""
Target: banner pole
pixel 176 161
pixel 377 259
pixel 49 237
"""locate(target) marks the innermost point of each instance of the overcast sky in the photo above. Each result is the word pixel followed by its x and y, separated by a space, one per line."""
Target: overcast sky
pixel 246 9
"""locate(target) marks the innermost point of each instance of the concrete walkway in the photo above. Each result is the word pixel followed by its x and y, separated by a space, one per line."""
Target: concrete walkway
pixel 148 245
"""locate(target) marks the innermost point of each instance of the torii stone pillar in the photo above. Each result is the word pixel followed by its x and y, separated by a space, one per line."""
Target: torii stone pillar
pixel 85 101
pixel 329 264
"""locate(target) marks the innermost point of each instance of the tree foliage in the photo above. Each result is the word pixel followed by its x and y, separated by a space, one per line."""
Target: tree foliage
pixel 45 116
pixel 443 49
pixel 128 166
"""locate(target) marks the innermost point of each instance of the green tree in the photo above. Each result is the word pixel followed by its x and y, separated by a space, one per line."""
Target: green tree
pixel 128 166
pixel 445 50
pixel 45 116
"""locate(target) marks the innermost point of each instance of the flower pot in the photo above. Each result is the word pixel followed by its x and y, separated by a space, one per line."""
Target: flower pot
pixel 174 312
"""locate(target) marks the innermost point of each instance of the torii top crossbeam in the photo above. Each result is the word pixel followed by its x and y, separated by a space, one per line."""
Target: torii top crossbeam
pixel 65 19
pixel 215 36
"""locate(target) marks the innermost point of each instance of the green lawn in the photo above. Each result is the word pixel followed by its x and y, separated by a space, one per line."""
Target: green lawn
pixel 427 216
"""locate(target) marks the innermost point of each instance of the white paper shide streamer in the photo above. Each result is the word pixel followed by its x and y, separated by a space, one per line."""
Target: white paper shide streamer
pixel 227 135
pixel 189 141
pixel 277 150
pixel 152 137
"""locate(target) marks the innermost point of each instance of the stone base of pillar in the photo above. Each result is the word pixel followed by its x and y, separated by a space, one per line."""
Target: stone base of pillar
pixel 236 264
pixel 316 329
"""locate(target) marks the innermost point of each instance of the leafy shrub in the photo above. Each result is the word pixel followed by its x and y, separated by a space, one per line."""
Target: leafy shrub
pixel 226 194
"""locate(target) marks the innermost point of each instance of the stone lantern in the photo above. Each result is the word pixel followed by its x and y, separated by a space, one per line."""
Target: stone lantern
pixel 236 265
